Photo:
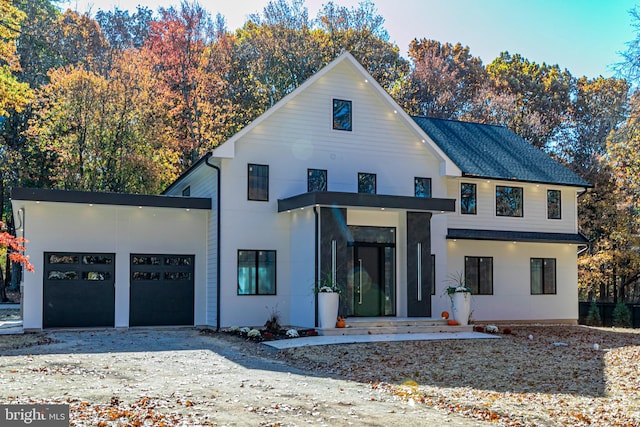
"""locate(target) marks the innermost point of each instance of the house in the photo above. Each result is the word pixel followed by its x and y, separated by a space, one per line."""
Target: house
pixel 334 182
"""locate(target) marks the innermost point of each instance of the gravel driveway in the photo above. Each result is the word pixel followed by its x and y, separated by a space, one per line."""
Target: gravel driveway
pixel 194 379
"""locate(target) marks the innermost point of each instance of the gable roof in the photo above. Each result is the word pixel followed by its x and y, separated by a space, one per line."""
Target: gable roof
pixel 495 152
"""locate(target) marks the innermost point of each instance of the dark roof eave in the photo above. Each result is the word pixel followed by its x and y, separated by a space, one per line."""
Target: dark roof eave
pixel 514 179
pixel 89 197
pixel 516 236
pixel 334 198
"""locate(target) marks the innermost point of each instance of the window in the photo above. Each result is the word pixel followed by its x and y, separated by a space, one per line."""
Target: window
pixel 433 274
pixel 186 192
pixel 367 183
pixel 258 182
pixel 422 187
pixel 256 272
pixel 341 114
pixel 468 204
pixel 509 201
pixel 478 272
pixel 316 180
pixel 543 276
pixel 554 204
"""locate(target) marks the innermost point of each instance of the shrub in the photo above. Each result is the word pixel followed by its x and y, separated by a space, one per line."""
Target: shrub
pixel 593 316
pixel 622 316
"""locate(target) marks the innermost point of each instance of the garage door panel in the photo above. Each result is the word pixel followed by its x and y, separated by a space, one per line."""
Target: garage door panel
pixel 78 290
pixel 161 290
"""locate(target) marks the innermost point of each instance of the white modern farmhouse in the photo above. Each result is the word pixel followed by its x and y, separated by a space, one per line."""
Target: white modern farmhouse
pixel 334 182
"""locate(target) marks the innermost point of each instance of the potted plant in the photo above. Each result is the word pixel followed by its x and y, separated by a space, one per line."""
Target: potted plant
pixel 328 302
pixel 460 296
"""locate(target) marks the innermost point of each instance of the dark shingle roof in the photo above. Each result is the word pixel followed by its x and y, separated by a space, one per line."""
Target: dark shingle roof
pixel 490 151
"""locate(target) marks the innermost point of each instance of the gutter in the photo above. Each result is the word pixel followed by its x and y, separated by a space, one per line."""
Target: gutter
pixel 218 292
pixel 315 213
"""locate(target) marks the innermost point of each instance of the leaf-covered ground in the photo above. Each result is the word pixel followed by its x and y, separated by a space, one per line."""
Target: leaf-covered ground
pixel 538 376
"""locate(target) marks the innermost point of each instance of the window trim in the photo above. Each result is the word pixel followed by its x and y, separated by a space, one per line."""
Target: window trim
pixel 257 266
pixel 415 193
pixel 326 179
pixel 375 182
pixel 559 204
pixel 478 266
pixel 521 204
pixel 542 287
pixel 249 194
pixel 475 196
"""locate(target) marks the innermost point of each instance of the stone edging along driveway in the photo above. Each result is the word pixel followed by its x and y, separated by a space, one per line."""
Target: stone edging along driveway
pixel 183 377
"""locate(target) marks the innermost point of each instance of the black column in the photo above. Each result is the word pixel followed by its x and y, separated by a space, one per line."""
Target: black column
pixel 419 290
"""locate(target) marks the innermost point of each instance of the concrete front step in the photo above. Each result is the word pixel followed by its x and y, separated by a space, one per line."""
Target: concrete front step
pixel 375 326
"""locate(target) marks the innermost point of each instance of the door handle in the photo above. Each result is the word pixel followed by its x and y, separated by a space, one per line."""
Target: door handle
pixel 360 284
pixel 419 271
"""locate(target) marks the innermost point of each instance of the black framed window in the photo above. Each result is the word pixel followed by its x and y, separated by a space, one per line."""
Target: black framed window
pixel 342 115
pixel 256 272
pixel 554 204
pixel 509 201
pixel 468 204
pixel 186 192
pixel 433 274
pixel 478 273
pixel 543 276
pixel 258 182
pixel 367 183
pixel 422 187
pixel 316 180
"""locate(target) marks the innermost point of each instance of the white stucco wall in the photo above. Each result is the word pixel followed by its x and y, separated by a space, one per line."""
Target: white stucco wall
pixel 75 227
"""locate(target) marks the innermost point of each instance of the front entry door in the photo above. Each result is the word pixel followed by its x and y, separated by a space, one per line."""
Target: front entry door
pixel 373 280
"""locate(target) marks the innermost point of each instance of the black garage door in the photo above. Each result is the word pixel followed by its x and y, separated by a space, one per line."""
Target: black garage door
pixel 78 289
pixel 161 290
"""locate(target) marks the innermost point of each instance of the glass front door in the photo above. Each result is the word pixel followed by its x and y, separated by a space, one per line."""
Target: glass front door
pixel 373 280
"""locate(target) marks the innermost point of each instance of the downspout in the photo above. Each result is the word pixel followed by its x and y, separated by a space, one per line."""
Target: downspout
pixel 218 305
pixel 315 285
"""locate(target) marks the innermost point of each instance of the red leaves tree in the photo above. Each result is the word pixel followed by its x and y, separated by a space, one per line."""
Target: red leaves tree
pixel 16 248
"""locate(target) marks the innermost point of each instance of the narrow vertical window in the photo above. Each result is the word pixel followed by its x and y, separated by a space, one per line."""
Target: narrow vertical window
pixel 478 273
pixel 543 276
pixel 342 115
pixel 509 201
pixel 554 204
pixel 468 205
pixel 433 274
pixel 367 183
pixel 422 187
pixel 258 182
pixel 256 272
pixel 316 180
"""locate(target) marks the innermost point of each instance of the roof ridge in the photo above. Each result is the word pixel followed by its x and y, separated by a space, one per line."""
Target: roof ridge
pixel 459 121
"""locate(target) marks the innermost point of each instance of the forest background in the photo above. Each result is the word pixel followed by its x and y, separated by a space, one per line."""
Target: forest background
pixel 125 101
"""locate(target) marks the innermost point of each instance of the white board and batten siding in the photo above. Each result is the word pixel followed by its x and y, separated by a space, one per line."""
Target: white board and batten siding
pixel 123 230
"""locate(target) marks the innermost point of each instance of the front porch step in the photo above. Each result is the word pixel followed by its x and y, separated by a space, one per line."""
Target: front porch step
pixel 377 326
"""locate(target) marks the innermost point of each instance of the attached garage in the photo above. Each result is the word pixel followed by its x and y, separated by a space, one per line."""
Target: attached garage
pixel 78 289
pixel 162 290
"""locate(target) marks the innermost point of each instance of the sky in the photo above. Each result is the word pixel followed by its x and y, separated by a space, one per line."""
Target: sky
pixel 583 36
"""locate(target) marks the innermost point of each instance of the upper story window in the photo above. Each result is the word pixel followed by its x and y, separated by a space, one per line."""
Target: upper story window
pixel 543 276
pixel 509 201
pixel 422 187
pixel 186 192
pixel 367 183
pixel 478 273
pixel 554 204
pixel 258 182
pixel 256 272
pixel 316 180
pixel 342 114
pixel 468 198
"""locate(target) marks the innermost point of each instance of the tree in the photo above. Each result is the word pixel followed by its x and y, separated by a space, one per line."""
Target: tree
pixel 14 95
pixel 15 247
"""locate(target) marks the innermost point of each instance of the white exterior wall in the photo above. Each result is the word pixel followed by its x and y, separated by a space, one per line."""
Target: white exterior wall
pixel 296 137
pixel 512 299
pixel 123 230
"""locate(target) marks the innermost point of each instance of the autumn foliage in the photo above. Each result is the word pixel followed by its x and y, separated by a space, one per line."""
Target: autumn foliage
pixel 16 248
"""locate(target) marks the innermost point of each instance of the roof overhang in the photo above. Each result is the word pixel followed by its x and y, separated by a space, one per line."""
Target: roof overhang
pixel 516 236
pixel 88 197
pixel 360 200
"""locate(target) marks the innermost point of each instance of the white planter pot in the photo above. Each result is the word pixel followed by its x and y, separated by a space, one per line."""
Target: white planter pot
pixel 328 309
pixel 461 307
